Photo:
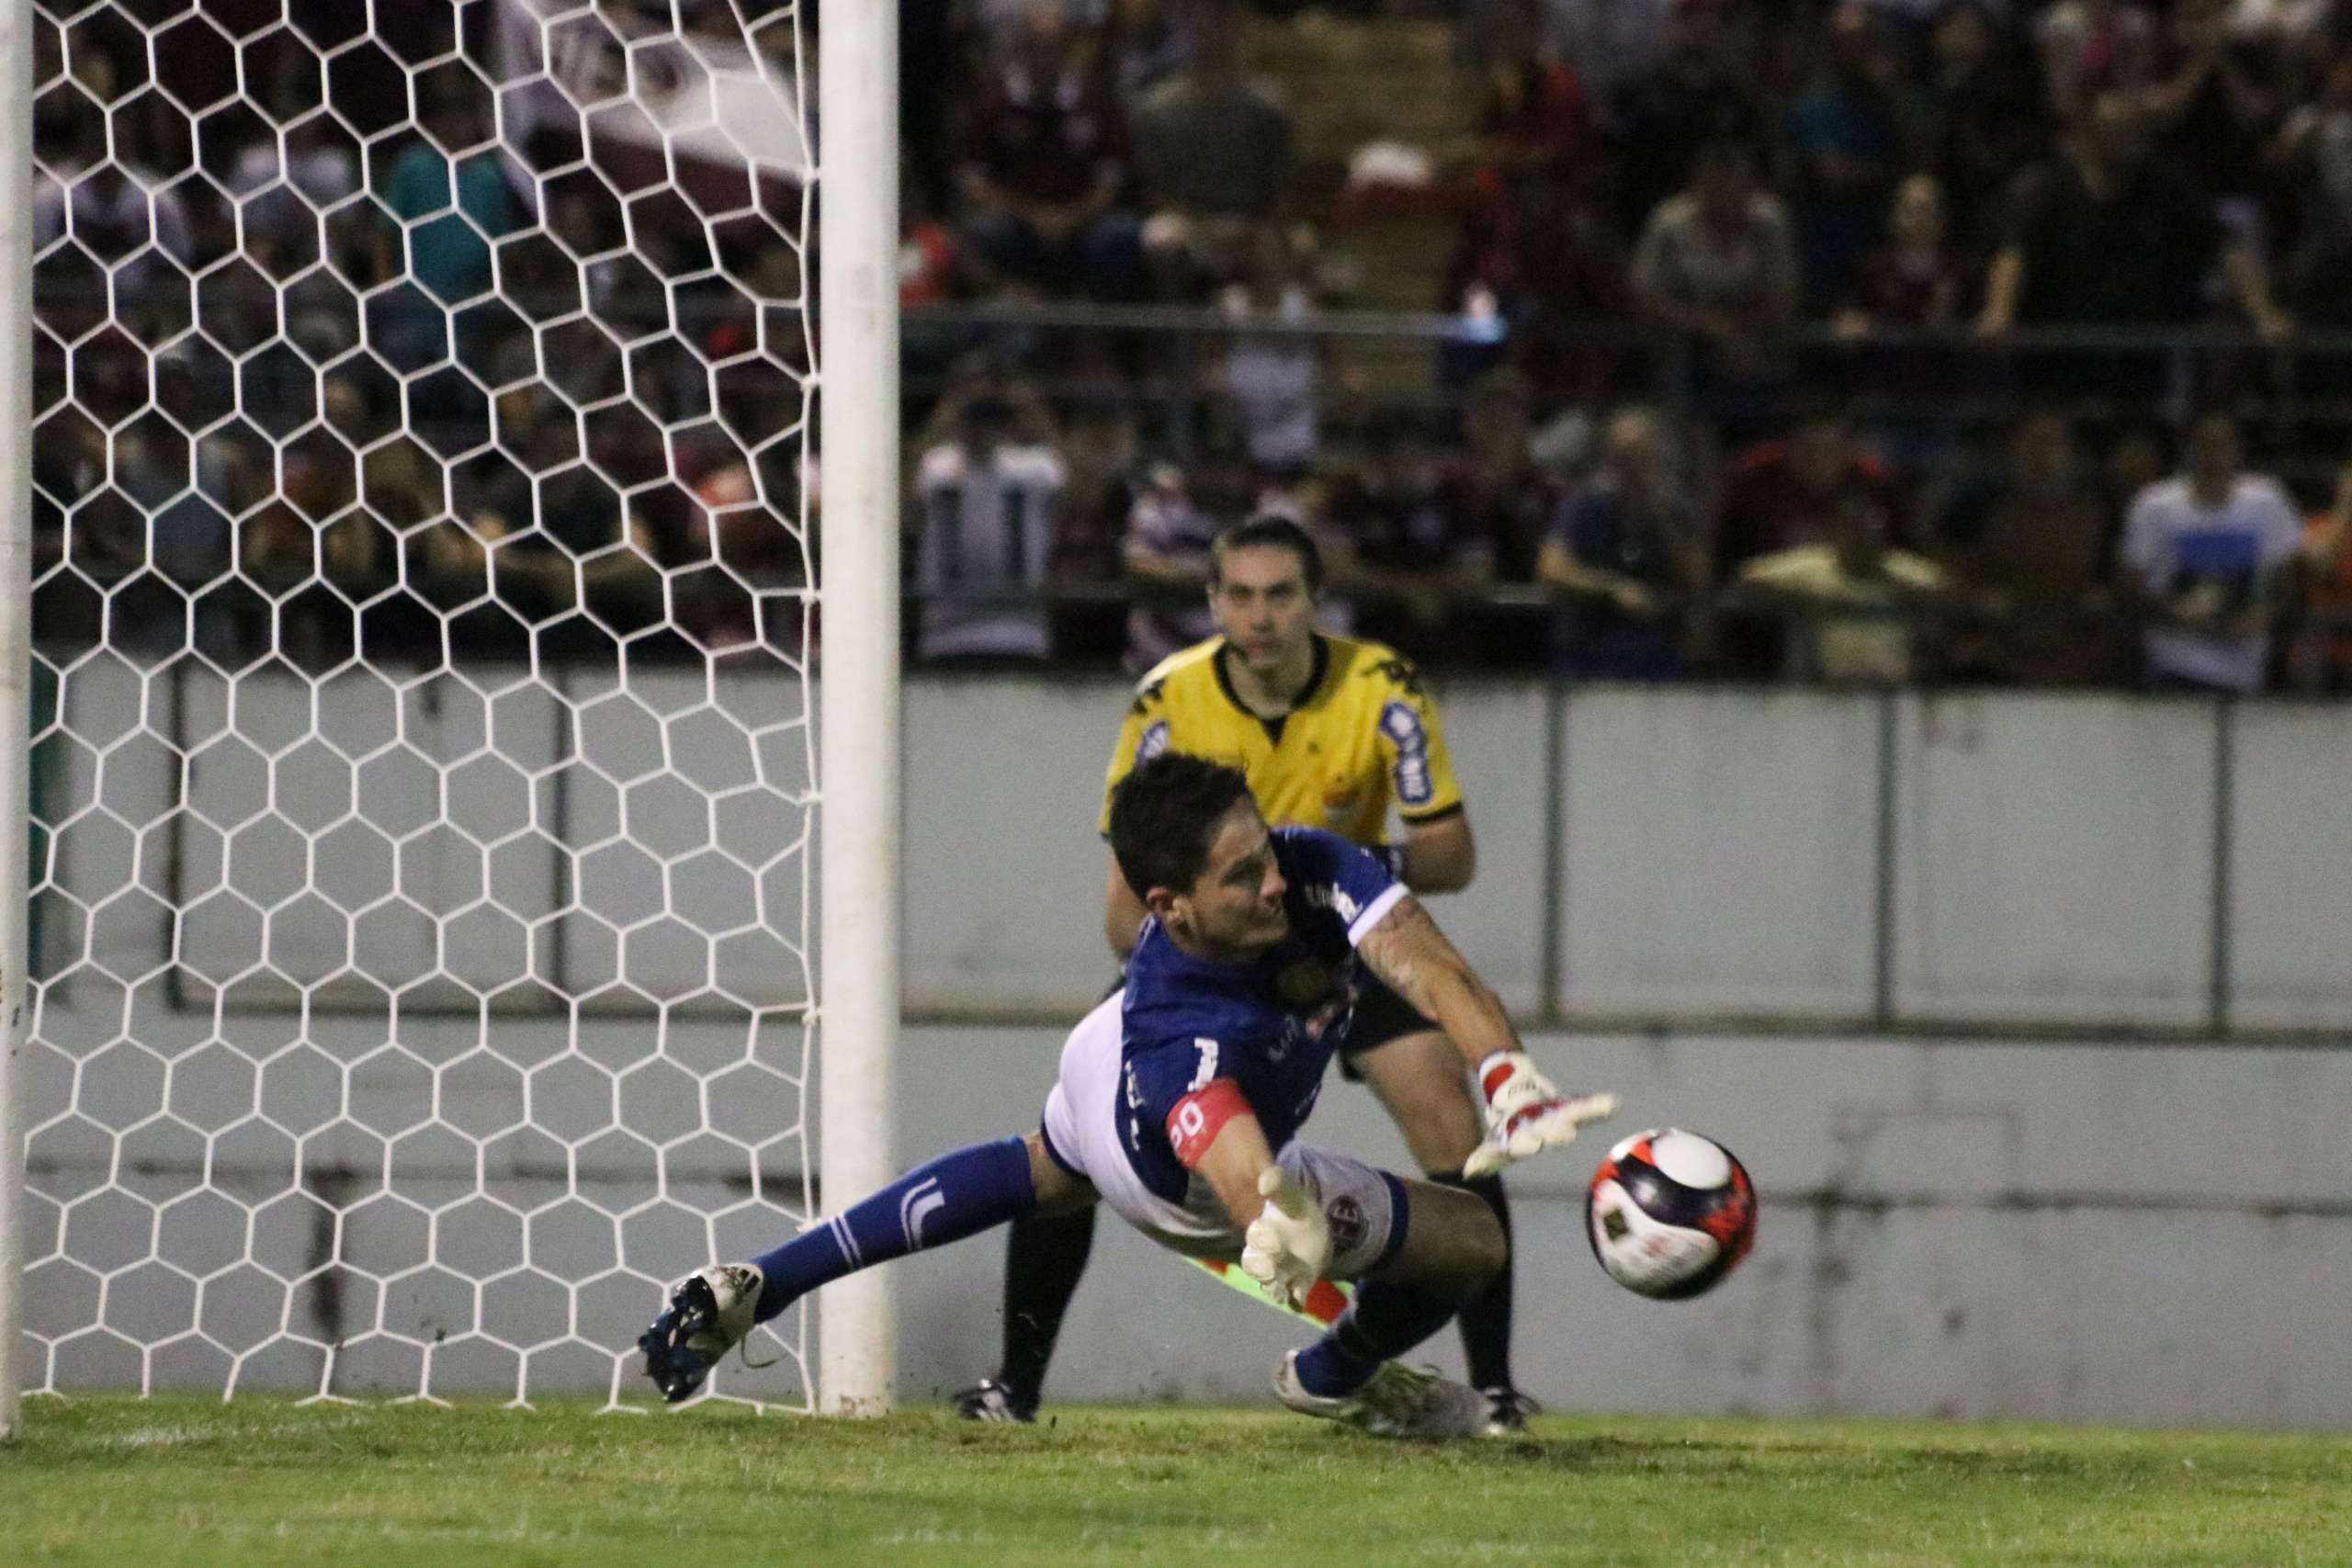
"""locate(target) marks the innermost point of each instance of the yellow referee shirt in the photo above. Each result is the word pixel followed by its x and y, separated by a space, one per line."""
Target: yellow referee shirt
pixel 1364 735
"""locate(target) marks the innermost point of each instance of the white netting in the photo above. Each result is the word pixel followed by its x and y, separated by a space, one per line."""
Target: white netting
pixel 422 778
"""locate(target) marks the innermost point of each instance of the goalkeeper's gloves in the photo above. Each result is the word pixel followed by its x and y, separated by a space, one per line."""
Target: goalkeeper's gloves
pixel 1288 1246
pixel 1525 1113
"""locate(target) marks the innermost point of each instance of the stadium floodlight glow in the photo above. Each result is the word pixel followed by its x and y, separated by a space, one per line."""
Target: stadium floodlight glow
pixel 410 968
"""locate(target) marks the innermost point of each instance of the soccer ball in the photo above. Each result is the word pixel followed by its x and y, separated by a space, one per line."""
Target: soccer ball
pixel 1669 1214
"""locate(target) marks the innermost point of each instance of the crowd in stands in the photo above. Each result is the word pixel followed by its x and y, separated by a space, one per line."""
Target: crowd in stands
pixel 1851 219
pixel 1720 273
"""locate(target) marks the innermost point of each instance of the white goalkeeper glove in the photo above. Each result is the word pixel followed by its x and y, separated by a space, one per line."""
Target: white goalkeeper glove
pixel 1288 1246
pixel 1525 1114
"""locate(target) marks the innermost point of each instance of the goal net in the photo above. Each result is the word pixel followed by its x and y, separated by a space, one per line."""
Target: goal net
pixel 420 975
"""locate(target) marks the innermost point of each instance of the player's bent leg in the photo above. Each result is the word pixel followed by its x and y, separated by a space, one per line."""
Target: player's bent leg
pixel 1420 1079
pixel 1424 1248
pixel 1453 1245
pixel 1045 1257
pixel 955 1196
pixel 1046 1253
pixel 1424 1084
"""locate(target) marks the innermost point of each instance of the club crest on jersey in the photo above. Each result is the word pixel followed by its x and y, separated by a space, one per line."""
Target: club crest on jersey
pixel 1154 741
pixel 1345 1216
pixel 1304 983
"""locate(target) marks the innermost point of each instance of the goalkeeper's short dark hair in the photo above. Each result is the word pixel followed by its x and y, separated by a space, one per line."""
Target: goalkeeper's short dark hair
pixel 1163 816
pixel 1282 533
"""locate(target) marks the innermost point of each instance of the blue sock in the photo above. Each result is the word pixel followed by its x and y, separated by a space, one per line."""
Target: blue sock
pixel 1382 1323
pixel 955 1196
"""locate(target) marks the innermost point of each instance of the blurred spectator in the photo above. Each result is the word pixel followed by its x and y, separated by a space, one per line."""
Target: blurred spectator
pixel 2107 235
pixel 319 161
pixel 1002 19
pixel 1167 552
pixel 451 204
pixel 1614 43
pixel 453 207
pixel 2204 554
pixel 1718 262
pixel 1496 487
pixel 2088 46
pixel 759 554
pixel 1536 113
pixel 1213 148
pixel 2321 657
pixel 1629 547
pixel 932 267
pixel 1855 571
pixel 1536 257
pixel 1780 495
pixel 1045 162
pixel 128 222
pixel 1534 252
pixel 2134 457
pixel 1849 128
pixel 1405 557
pixel 2033 545
pixel 2314 147
pixel 590 551
pixel 2212 102
pixel 1271 383
pixel 1912 279
pixel 987 501
pixel 1703 94
pixel 1985 117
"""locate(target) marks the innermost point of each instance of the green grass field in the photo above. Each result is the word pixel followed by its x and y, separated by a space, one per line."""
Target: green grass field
pixel 197 1485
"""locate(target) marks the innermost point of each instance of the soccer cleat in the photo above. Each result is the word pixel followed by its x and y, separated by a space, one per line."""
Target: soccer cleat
pixel 1399 1402
pixel 989 1400
pixel 708 1315
pixel 1507 1412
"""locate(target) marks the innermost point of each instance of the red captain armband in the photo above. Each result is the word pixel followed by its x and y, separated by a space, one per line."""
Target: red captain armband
pixel 1200 1115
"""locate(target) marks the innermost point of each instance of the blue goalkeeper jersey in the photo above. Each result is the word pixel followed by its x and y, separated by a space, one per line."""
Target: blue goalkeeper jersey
pixel 1271 1024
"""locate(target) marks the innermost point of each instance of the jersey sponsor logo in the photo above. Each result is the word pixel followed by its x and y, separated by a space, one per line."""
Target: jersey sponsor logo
pixel 1401 722
pixel 1399 673
pixel 1153 742
pixel 1325 895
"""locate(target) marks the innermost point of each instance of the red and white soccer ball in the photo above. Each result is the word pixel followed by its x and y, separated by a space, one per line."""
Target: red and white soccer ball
pixel 1671 1214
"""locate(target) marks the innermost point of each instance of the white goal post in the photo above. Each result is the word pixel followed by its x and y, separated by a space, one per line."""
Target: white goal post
pixel 858 300
pixel 411 942
pixel 15 668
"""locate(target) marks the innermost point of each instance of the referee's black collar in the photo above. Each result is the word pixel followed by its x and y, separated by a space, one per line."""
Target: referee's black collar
pixel 1314 683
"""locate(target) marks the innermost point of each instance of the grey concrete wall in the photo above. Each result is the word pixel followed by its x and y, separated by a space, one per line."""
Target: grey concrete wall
pixel 2138 1235
pixel 591 1078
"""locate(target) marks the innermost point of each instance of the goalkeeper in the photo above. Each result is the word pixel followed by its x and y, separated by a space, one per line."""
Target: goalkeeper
pixel 1178 1102
pixel 1329 731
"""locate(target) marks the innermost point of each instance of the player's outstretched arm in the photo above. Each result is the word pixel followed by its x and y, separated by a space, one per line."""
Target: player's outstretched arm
pixel 1414 959
pixel 1215 1134
pixel 1287 1241
pixel 1525 1114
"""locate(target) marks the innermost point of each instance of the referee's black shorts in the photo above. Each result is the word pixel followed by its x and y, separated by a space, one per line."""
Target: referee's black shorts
pixel 1380 1015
